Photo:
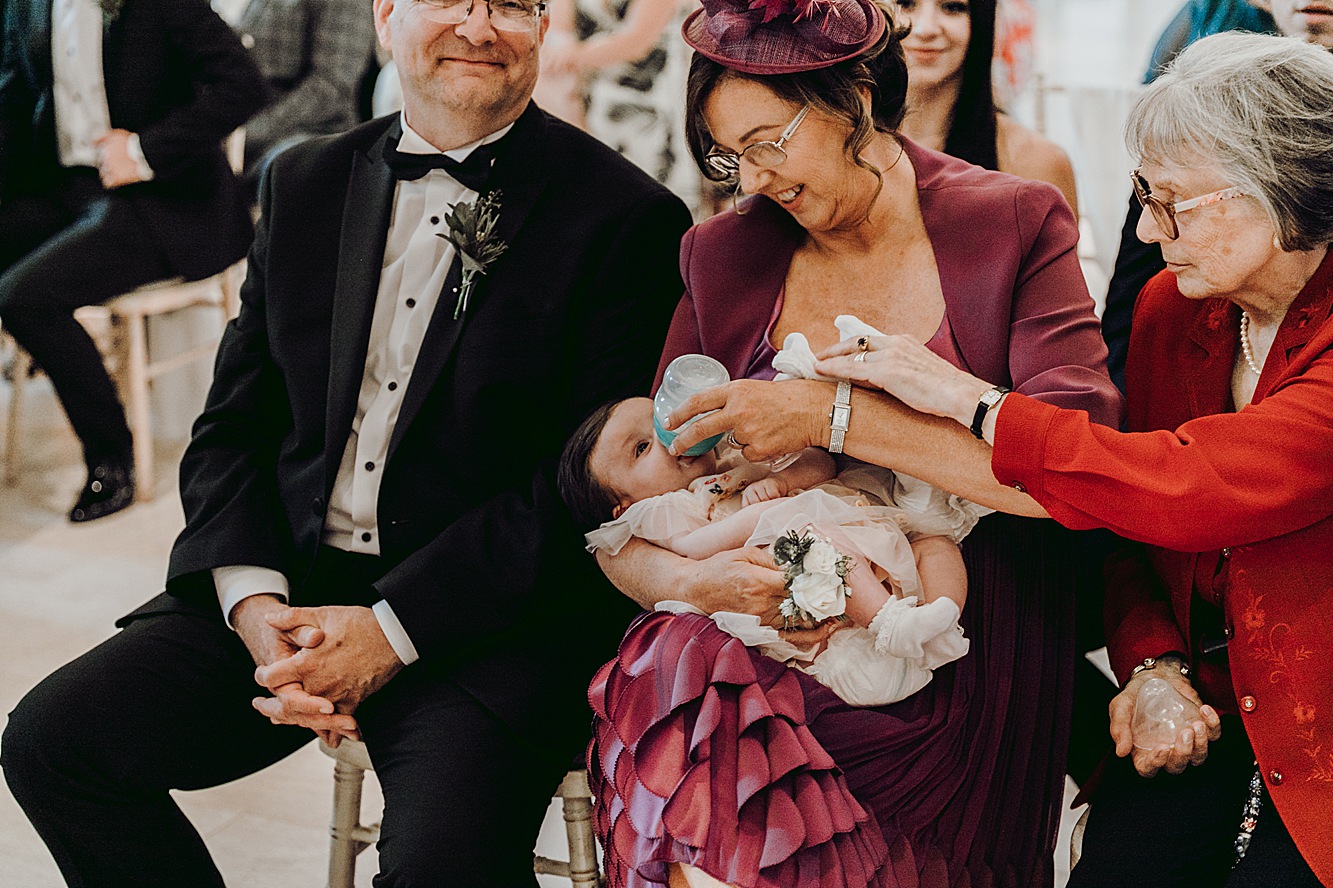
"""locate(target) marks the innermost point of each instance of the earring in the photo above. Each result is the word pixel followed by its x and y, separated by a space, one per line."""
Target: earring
pixel 736 195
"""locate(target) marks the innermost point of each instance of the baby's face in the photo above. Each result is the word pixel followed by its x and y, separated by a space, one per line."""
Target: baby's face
pixel 631 461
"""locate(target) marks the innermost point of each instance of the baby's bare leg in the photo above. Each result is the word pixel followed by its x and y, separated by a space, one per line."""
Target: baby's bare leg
pixel 939 563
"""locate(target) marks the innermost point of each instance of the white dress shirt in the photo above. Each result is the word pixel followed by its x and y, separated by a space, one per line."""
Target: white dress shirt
pixel 79 89
pixel 416 263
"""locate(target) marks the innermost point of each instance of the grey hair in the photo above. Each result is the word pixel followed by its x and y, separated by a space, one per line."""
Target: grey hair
pixel 1261 108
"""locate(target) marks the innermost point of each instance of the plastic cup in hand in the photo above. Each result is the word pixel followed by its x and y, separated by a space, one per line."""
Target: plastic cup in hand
pixel 685 376
pixel 1160 714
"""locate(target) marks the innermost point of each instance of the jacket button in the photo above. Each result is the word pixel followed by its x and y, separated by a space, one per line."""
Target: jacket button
pixel 1275 778
pixel 317 505
pixel 1248 703
pixel 1019 486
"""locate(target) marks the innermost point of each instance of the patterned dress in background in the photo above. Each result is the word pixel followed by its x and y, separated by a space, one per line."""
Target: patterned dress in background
pixel 638 108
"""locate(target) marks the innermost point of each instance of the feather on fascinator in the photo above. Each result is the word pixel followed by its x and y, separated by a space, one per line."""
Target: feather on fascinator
pixel 783 36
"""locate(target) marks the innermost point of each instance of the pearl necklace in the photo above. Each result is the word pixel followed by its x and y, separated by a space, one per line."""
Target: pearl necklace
pixel 1245 348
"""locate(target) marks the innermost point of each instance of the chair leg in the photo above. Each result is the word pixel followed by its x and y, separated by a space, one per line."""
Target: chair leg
pixel 579 831
pixel 137 409
pixel 21 369
pixel 344 844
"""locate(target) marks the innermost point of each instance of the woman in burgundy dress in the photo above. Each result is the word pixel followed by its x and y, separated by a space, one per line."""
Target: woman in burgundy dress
pixel 711 762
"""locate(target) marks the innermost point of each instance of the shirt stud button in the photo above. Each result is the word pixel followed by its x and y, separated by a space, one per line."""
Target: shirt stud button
pixel 393 386
pixel 1275 778
pixel 370 467
pixel 1248 703
pixel 411 303
pixel 365 537
pixel 434 220
pixel 1020 487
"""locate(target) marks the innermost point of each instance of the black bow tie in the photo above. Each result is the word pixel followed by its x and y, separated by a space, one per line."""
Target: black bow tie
pixel 471 172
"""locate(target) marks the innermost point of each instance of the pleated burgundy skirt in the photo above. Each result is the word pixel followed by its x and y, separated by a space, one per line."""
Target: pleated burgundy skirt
pixel 707 753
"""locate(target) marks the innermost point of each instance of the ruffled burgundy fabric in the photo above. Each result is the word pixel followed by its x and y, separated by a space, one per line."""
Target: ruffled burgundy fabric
pixel 705 752
pixel 702 756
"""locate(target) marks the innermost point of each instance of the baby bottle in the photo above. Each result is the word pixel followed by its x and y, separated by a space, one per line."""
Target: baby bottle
pixel 686 375
pixel 1160 714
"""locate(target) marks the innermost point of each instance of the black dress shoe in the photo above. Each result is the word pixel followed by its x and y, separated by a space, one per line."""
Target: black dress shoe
pixel 110 488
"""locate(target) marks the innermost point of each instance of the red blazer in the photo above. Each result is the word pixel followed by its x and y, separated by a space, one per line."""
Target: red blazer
pixel 1199 484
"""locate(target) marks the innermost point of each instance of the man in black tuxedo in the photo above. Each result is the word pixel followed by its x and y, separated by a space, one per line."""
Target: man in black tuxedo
pixel 112 176
pixel 381 457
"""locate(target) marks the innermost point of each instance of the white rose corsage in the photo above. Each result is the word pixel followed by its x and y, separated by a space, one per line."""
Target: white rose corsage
pixel 814 574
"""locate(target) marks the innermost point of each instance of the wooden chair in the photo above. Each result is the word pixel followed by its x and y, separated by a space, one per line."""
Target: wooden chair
pixel 349 837
pixel 127 353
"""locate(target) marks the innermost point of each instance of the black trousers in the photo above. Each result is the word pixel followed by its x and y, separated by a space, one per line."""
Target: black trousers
pixel 73 244
pixel 1179 830
pixel 91 753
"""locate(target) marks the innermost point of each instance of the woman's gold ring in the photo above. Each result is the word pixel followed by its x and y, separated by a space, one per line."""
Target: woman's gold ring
pixel 859 357
pixel 863 343
pixel 731 439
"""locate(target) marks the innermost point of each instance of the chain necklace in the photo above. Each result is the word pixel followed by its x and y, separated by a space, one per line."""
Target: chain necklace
pixel 1245 348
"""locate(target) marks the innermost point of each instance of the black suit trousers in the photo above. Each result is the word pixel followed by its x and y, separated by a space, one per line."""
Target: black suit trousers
pixel 1179 830
pixel 92 752
pixel 70 245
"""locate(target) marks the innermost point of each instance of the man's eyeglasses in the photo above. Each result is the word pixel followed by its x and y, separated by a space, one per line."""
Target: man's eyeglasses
pixel 1164 212
pixel 723 165
pixel 505 15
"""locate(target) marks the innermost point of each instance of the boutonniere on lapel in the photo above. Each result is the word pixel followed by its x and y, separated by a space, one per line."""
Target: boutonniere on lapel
pixel 110 9
pixel 472 232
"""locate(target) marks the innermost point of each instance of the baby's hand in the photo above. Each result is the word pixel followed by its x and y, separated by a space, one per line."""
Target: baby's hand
pixel 764 490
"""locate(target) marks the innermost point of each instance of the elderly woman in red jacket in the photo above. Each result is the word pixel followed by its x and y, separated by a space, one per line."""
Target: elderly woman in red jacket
pixel 1225 477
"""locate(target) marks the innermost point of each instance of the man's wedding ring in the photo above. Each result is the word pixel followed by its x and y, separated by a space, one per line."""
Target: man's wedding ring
pixel 863 343
pixel 859 357
pixel 731 439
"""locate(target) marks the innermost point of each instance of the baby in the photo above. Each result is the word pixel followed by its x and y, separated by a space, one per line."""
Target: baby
pixel 615 473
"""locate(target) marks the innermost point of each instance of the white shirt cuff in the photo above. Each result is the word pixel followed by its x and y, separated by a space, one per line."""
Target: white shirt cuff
pixel 395 633
pixel 136 154
pixel 235 583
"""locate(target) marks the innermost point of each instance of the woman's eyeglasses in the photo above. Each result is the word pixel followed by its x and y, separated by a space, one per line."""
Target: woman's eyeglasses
pixel 723 165
pixel 1164 212
pixel 505 15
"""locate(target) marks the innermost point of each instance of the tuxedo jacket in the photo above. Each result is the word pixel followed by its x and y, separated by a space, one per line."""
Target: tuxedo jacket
pixel 176 75
pixel 1237 507
pixel 483 565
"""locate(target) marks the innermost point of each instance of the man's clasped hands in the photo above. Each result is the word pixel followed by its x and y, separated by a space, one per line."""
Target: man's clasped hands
pixel 319 663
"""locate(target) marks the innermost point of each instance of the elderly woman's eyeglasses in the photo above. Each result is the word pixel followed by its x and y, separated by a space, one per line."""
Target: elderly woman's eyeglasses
pixel 505 15
pixel 1164 212
pixel 723 165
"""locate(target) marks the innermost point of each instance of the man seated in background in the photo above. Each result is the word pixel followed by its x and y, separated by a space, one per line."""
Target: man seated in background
pixel 316 56
pixel 112 175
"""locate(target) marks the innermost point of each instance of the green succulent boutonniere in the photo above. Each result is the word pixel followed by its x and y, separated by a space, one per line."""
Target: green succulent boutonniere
pixel 472 232
pixel 110 9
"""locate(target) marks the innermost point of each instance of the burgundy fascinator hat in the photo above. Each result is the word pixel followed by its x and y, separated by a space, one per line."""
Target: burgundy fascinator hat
pixel 783 36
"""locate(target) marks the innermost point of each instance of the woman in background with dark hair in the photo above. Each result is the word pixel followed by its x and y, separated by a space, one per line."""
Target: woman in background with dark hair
pixel 951 100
